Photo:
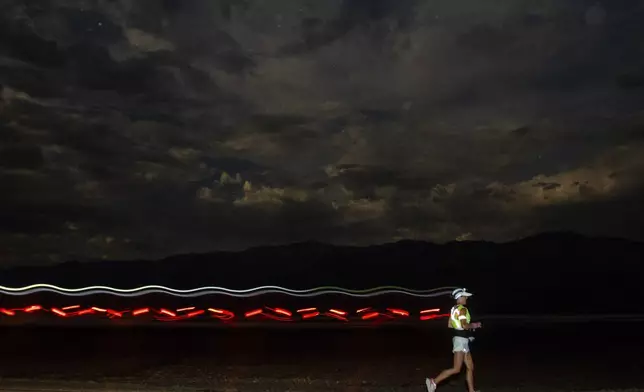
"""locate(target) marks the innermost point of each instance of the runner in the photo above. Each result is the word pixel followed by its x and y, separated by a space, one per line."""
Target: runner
pixel 459 321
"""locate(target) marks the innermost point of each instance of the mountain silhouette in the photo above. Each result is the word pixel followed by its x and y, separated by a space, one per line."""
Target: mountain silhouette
pixel 554 273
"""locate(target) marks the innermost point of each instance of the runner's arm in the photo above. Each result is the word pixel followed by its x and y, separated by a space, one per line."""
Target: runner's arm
pixel 475 325
pixel 463 318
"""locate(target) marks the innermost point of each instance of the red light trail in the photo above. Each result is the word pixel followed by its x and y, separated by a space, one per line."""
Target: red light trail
pixel 265 313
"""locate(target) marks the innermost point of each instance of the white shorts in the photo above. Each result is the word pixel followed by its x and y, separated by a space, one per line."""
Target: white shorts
pixel 460 344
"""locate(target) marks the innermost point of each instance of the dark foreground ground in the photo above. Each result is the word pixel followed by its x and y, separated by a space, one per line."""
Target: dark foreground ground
pixel 509 357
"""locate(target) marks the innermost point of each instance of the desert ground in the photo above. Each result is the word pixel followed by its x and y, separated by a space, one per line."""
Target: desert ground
pixel 509 356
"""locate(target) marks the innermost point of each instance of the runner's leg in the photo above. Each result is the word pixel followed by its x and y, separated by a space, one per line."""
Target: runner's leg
pixel 460 348
pixel 469 375
pixel 455 369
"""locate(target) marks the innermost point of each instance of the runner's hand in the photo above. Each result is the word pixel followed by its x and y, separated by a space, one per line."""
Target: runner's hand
pixel 476 325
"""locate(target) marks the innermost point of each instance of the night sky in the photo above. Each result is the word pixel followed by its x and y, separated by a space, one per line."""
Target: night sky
pixel 141 129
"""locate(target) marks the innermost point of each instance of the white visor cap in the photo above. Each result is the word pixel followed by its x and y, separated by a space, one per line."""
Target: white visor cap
pixel 458 293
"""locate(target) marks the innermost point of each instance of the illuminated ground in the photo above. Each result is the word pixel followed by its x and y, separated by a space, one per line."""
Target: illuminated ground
pixel 582 357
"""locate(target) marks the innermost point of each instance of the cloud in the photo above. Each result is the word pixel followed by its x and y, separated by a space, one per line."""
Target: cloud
pixel 270 196
pixel 504 211
pixel 364 210
pixel 193 126
pixel 147 42
pixel 7 94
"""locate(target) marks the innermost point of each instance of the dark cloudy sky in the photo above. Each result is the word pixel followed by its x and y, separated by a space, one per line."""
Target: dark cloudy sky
pixel 154 127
